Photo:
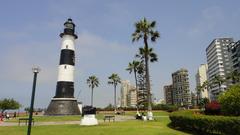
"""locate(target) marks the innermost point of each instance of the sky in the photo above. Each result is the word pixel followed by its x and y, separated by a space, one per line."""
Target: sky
pixel 29 36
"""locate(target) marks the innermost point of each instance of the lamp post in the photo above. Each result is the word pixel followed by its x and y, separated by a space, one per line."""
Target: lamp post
pixel 35 71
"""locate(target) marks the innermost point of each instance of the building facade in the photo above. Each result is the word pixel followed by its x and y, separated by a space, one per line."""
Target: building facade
pixel 219 64
pixel 132 97
pixel 234 49
pixel 128 94
pixel 201 77
pixel 168 94
pixel 181 91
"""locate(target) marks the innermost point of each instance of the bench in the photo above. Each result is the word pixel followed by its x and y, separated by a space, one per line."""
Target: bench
pixel 109 117
pixel 24 119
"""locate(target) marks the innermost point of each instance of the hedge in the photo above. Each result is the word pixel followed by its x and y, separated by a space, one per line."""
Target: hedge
pixel 205 124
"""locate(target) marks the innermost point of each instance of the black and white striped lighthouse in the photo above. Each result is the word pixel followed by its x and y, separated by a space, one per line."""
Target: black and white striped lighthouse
pixel 64 103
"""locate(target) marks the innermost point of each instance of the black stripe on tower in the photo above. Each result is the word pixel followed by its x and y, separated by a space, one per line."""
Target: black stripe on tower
pixel 67 57
pixel 64 90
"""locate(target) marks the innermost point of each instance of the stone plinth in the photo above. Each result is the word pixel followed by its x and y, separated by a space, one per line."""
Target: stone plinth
pixel 63 106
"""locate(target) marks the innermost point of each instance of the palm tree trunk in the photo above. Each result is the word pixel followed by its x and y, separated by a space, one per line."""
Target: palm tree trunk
pixel 135 75
pixel 92 98
pixel 147 75
pixel 115 104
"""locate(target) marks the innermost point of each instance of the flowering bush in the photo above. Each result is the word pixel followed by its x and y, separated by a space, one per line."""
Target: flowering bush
pixel 213 108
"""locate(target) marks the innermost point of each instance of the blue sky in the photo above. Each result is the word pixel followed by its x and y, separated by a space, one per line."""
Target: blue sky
pixel 30 36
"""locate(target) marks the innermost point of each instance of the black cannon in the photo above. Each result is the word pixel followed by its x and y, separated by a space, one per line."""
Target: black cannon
pixel 88 110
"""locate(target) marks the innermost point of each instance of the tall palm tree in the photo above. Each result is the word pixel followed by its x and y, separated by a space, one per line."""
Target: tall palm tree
pixel 92 82
pixel 114 79
pixel 218 80
pixel 151 55
pixel 146 30
pixel 234 76
pixel 200 88
pixel 133 66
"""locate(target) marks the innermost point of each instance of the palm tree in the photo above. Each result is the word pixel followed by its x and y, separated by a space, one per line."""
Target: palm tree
pixel 114 79
pixel 92 82
pixel 145 30
pixel 219 80
pixel 234 77
pixel 133 66
pixel 151 55
pixel 201 88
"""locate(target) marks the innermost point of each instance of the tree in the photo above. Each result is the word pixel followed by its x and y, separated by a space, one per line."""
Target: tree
pixel 92 82
pixel 146 30
pixel 133 66
pixel 217 80
pixel 151 55
pixel 203 102
pixel 9 104
pixel 234 77
pixel 114 79
pixel 230 100
pixel 201 88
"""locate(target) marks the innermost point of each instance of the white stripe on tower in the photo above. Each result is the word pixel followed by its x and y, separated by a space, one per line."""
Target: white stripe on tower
pixel 65 83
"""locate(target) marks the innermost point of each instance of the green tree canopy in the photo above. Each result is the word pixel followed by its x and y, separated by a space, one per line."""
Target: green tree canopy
pixel 9 104
pixel 230 101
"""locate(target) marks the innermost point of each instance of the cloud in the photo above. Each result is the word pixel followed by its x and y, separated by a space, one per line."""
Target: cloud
pixel 96 51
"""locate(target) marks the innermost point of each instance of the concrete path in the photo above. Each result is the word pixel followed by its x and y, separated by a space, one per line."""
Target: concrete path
pixel 117 118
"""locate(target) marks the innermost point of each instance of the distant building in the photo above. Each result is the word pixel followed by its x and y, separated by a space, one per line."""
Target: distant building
pixel 128 96
pixel 234 49
pixel 219 63
pixel 201 77
pixel 181 91
pixel 132 97
pixel 168 94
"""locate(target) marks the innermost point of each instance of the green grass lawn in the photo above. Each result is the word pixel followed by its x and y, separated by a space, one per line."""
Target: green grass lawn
pixel 50 118
pixel 78 117
pixel 132 127
pixel 54 118
pixel 155 113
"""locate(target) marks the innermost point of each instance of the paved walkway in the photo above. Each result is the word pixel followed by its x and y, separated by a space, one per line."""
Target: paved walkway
pixel 117 118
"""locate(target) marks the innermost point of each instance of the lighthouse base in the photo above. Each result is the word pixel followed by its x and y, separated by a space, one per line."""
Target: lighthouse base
pixel 63 106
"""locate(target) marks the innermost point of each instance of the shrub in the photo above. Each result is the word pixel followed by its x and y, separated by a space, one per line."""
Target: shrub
pixel 204 123
pixel 230 101
pixel 213 108
pixel 166 107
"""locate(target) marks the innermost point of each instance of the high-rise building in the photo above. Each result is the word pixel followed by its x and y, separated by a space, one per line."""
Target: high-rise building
pixel 181 91
pixel 219 63
pixel 168 93
pixel 201 77
pixel 132 97
pixel 234 49
pixel 125 85
pixel 128 94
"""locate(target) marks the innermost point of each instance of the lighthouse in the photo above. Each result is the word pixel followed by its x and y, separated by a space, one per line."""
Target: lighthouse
pixel 64 103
